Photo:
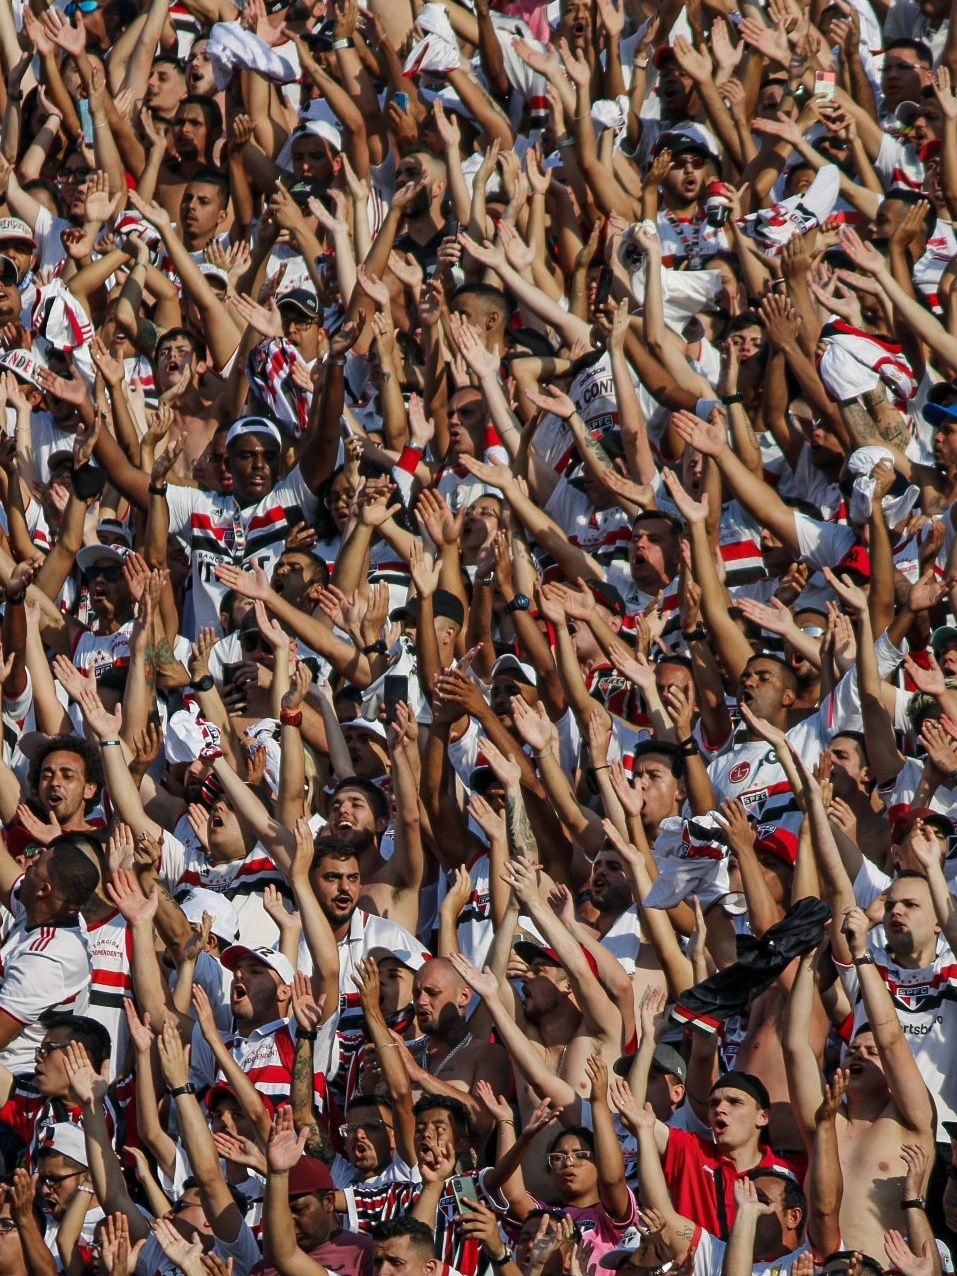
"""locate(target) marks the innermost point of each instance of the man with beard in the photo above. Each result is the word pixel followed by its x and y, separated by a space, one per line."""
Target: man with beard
pixel 453 1060
pixel 683 230
pixel 196 128
pixel 307 1214
pixel 611 907
pixel 424 222
pixel 65 782
pixel 359 816
pixel 337 882
pixel 852 807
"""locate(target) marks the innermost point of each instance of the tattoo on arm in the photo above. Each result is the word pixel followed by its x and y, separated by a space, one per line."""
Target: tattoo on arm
pixel 521 839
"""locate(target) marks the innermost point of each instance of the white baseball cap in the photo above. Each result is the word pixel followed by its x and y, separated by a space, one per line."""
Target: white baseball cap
pixel 268 956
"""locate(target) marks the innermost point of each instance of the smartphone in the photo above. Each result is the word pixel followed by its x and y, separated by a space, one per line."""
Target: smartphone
pixel 86 120
pixel 603 291
pixel 825 85
pixel 348 429
pixel 401 100
pixel 229 672
pixel 395 689
pixel 464 1189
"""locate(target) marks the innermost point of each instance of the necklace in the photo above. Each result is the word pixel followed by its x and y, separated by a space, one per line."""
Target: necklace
pixel 690 245
pixel 466 1040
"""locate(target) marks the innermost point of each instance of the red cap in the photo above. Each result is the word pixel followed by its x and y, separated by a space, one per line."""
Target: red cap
pixel 857 560
pixel 662 55
pixel 905 822
pixel 310 1175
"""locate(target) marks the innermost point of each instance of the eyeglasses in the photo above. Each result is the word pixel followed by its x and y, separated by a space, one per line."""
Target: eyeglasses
pixel 73 175
pixel 688 161
pixel 290 321
pixel 53 1180
pixel 577 1157
pixel 7 1225
pixel 47 1048
pixel 111 572
pixel 370 1126
pixel 9 271
pixel 895 64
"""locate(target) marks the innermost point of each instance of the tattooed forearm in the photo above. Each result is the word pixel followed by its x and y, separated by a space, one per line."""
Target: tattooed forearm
pixel 521 839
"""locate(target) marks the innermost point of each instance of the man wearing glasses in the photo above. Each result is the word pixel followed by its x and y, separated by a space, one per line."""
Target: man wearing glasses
pixel 687 239
pixel 62 1174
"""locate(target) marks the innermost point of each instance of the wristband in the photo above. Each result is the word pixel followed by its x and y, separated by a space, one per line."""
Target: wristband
pixel 688 748
pixel 640 66
pixel 14 599
pixel 729 399
pixel 106 744
pixel 409 460
pixel 155 489
pixel 176 1091
pixel 348 43
pixel 563 142
pixel 866 960
pixel 290 717
pixel 915 1203
pixel 303 1035
pixel 206 683
pixel 698 634
pixel 337 360
pixel 375 648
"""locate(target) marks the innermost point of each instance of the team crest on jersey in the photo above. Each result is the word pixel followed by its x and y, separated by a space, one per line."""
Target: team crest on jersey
pixel 739 772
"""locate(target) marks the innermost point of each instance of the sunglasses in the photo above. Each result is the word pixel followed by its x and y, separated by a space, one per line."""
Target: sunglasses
pixel 84 6
pixel 9 271
pixel 7 1225
pixel 684 161
pixel 111 574
pixel 375 1123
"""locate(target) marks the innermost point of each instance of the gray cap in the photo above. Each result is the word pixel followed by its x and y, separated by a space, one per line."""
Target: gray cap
pixel 665 1059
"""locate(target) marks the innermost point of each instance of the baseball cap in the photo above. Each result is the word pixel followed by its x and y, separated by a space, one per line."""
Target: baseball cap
pixel 302 192
pixel 268 956
pixel 941 637
pixel 906 821
pixel 375 727
pixel 225 918
pixel 14 228
pixel 214 272
pixel 320 128
pixel 607 595
pixel 443 604
pixel 114 528
pixel 300 299
pixel 908 112
pixel 666 1059
pixel 223 1090
pixel 91 554
pixel 934 411
pixel 688 137
pixel 664 53
pixel 23 364
pixel 67 1139
pixel 253 425
pixel 519 670
pixel 857 559
pixel 748 1083
pixel 309 1174
pixel 529 951
pixel 408 956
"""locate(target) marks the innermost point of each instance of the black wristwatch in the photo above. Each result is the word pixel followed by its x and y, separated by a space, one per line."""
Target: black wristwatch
pixel 866 960
pixel 698 634
pixel 176 1091
pixel 915 1203
pixel 303 1035
pixel 206 683
pixel 157 489
pixel 521 602
pixel 375 648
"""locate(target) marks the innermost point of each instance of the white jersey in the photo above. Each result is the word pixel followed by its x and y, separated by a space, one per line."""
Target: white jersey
pixel 41 968
pixel 926 1005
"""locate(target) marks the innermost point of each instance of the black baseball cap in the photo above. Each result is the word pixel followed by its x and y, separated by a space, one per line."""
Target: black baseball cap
pixel 443 604
pixel 300 299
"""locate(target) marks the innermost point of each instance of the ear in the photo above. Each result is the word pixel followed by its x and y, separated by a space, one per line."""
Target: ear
pixel 764 1118
pixel 380 828
pixel 89 792
pixel 337 164
pixel 615 623
pixel 788 699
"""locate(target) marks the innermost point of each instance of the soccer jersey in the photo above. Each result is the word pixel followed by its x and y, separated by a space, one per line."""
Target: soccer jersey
pixel 42 968
pixel 217 530
pixel 111 981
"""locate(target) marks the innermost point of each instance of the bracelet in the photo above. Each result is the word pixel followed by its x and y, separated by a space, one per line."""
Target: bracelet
pixel 549 752
pixel 688 748
pixel 157 489
pixel 348 43
pixel 507 1123
pixel 595 769
pixel 290 717
pixel 698 634
pixel 563 142
pixel 14 599
pixel 389 1045
pixel 303 1035
pixel 729 399
pixel 640 66
pixel 105 744
pixel 914 1203
pixel 485 580
pixel 176 1091
pixel 90 1192
pixel 377 648
pixel 337 360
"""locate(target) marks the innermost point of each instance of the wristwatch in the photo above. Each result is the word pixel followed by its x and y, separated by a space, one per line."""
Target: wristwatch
pixel 915 1203
pixel 206 683
pixel 866 960
pixel 521 602
pixel 176 1091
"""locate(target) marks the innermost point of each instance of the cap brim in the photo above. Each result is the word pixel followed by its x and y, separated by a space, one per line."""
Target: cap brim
pixel 937 414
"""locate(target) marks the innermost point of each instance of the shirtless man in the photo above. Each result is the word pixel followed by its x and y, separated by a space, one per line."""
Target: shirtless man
pixel 453 1061
pixel 564 1016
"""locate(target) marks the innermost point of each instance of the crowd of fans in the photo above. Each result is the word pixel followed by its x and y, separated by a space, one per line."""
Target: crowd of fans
pixel 479 637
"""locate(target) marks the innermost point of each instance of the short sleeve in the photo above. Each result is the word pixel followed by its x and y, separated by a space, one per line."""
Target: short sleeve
pixel 34 981
pixel 181 503
pixel 173 861
pixel 822 544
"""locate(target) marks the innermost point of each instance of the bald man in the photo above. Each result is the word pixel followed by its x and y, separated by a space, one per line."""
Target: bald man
pixel 454 1060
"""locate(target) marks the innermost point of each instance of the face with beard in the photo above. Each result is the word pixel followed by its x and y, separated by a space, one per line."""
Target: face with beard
pixel 910 922
pixel 413 168
pixel 440 996
pixel 542 991
pixel 610 889
pixel 352 819
pixel 337 884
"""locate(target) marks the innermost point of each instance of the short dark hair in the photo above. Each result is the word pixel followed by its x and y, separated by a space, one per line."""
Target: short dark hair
pixel 661 749
pixel 72 873
pixel 490 297
pixel 92 767
pixel 794 1196
pixel 376 798
pixel 579 1131
pixel 166 59
pixel 790 677
pixel 459 1114
pixel 922 50
pixel 380 1100
pixel 180 334
pixel 420 1234
pixel 89 1033
pixel 212 177
pixel 332 848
